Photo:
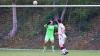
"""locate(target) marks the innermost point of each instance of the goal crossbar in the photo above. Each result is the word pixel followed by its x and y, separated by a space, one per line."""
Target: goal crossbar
pixel 49 5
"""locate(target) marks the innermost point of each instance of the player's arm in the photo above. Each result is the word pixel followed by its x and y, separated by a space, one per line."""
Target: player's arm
pixel 45 25
pixel 56 29
pixel 63 29
pixel 56 26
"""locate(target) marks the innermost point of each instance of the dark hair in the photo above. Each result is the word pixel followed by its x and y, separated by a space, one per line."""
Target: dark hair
pixel 50 22
pixel 59 21
pixel 55 22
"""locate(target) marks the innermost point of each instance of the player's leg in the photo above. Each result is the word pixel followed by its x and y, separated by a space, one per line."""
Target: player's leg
pixel 64 39
pixel 45 43
pixel 52 43
pixel 61 44
pixel 64 50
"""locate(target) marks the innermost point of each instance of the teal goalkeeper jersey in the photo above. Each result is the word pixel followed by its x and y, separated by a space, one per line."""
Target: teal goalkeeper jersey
pixel 50 30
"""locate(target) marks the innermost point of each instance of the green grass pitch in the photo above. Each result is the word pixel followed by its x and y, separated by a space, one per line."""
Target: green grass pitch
pixel 38 52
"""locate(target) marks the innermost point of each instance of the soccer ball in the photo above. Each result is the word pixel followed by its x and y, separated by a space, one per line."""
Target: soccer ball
pixel 35 2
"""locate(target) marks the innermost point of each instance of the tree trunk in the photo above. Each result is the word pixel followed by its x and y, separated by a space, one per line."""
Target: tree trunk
pixel 54 3
pixel 55 10
pixel 63 12
pixel 14 17
pixel 69 16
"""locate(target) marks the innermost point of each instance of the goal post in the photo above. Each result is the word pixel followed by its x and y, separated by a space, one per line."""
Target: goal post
pixel 49 5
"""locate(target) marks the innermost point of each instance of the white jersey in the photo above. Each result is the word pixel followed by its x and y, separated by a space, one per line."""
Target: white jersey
pixel 61 34
pixel 61 28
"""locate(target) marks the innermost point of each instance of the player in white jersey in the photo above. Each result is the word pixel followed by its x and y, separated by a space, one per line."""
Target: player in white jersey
pixel 62 37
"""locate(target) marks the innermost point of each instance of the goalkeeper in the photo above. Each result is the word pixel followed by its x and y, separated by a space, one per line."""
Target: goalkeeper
pixel 49 35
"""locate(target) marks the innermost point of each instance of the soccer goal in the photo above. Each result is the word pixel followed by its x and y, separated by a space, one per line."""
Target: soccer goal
pixel 82 25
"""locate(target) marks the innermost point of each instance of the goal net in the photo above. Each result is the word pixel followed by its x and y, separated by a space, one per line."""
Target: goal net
pixel 82 24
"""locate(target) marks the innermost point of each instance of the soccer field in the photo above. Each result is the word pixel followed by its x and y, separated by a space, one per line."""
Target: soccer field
pixel 38 52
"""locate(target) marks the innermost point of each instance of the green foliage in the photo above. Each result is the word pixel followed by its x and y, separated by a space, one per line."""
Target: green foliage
pixel 82 16
pixel 50 2
pixel 5 2
pixel 83 2
pixel 50 15
pixel 45 2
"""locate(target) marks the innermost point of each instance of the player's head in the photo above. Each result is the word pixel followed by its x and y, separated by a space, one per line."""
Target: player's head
pixel 59 21
pixel 50 22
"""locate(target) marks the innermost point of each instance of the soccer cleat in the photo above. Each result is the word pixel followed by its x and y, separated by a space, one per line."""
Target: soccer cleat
pixel 44 49
pixel 65 53
pixel 53 49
